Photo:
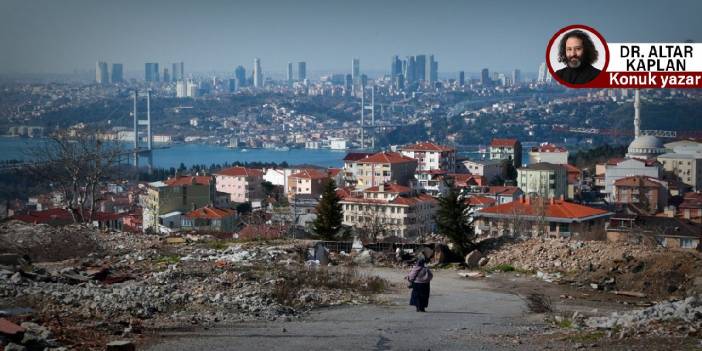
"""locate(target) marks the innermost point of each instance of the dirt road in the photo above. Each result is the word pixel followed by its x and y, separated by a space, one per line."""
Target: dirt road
pixel 463 314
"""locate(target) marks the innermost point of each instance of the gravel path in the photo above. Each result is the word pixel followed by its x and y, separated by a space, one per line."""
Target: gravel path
pixel 462 314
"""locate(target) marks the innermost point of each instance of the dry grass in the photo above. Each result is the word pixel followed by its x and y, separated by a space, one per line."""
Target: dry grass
pixel 538 303
pixel 291 281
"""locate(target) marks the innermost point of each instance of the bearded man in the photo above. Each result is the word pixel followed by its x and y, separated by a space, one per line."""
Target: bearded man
pixel 578 52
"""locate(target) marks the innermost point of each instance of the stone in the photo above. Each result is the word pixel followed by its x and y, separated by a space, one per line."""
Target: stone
pixel 363 258
pixel 14 347
pixel 16 278
pixel 473 258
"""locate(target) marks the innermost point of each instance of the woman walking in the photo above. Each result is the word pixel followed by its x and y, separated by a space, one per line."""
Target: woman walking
pixel 419 278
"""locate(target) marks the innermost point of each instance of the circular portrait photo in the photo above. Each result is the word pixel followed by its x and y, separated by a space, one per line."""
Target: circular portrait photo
pixel 576 55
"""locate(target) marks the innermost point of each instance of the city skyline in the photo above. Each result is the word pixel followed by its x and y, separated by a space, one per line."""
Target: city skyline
pixel 50 37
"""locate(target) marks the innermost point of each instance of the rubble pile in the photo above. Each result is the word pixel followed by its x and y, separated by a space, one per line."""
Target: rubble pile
pixel 42 242
pixel 684 316
pixel 137 281
pixel 611 266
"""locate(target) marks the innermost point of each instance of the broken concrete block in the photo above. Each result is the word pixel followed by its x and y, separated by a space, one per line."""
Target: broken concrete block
pixel 473 258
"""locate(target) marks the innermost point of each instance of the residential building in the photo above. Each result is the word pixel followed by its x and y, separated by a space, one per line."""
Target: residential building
pixel 430 182
pixel 548 153
pixel 384 167
pixel 691 207
pixel 537 217
pixel 629 167
pixel 501 194
pixel 210 219
pixel 169 198
pixel 431 156
pixel 575 180
pixel 686 166
pixel 649 195
pixel 490 169
pixel 307 181
pixel 389 210
pixel 351 167
pixel 241 183
pixel 506 149
pixel 667 232
pixel 544 180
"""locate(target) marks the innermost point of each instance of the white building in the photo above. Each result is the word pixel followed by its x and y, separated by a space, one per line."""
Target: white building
pixel 548 153
pixel 181 89
pixel 431 156
pixel 337 143
pixel 490 169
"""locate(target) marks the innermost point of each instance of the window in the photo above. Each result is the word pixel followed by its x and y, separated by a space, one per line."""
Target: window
pixel 687 244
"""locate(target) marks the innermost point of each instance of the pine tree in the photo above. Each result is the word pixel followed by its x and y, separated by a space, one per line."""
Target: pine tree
pixel 453 222
pixel 329 213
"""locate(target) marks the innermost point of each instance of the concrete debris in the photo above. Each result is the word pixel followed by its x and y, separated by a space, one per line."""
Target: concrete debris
pixel 608 266
pixel 472 259
pixel 137 281
pixel 686 313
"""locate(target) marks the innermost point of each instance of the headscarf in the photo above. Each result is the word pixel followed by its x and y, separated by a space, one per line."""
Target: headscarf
pixel 421 261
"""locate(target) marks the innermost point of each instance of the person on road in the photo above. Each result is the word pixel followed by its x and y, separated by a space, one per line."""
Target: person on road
pixel 420 278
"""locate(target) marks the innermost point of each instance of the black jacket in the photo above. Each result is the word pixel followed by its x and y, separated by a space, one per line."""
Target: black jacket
pixel 581 75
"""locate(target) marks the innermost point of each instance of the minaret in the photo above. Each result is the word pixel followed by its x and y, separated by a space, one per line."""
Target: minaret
pixel 637 115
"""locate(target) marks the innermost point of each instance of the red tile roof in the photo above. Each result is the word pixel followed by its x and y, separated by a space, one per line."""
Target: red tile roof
pixel 572 169
pixel 548 148
pixel 210 212
pixel 387 157
pixel 188 180
pixel 504 142
pixel 638 181
pixel 463 179
pixel 692 200
pixel 557 209
pixel 310 173
pixel 427 146
pixel 240 172
pixel 389 188
pixel 477 200
pixel 355 156
pixel 343 192
pixel 334 171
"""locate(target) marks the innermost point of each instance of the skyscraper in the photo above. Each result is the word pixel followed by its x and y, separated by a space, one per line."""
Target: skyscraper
pixel 166 75
pixel 349 85
pixel 461 78
pixel 420 64
pixel 151 72
pixel 257 74
pixel 395 66
pixel 240 76
pixel 177 71
pixel 355 70
pixel 117 73
pixel 101 74
pixel 290 73
pixel 485 77
pixel 410 70
pixel 301 71
pixel 431 72
pixel 516 77
pixel 542 73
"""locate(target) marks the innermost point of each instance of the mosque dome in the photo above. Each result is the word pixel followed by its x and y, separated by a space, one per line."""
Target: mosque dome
pixel 645 146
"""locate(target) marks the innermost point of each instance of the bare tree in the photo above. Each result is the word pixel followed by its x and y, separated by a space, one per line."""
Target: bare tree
pixel 76 165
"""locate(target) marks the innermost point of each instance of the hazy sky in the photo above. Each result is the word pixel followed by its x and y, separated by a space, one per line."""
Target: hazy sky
pixel 56 36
